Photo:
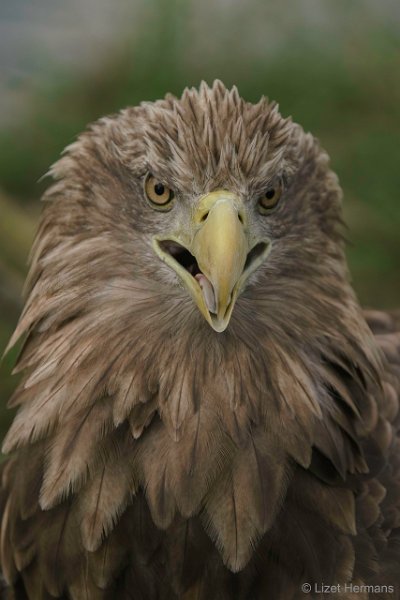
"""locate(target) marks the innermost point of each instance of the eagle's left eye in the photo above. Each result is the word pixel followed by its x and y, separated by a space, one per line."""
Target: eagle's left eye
pixel 270 197
pixel 159 195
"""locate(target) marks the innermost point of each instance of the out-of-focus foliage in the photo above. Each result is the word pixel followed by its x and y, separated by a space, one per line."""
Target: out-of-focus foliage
pixel 342 83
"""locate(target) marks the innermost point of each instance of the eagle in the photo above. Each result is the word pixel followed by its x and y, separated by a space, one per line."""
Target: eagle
pixel 205 412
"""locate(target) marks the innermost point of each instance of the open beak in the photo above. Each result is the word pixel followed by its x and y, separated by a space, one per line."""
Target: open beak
pixel 216 258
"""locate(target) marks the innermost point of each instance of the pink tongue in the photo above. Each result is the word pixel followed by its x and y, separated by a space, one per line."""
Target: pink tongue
pixel 208 292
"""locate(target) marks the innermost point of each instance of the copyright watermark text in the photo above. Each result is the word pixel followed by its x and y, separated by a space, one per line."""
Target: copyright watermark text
pixel 341 588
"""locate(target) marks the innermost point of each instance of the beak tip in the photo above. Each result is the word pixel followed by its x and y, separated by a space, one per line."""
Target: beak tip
pixel 219 324
pixel 219 327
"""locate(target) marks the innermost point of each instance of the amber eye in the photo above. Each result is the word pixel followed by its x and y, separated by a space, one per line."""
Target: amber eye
pixel 271 196
pixel 157 192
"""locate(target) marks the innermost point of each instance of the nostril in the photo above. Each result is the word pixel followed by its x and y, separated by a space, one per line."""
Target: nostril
pixel 204 216
pixel 240 217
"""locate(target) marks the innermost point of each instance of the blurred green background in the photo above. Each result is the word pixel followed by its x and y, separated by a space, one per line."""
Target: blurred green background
pixel 333 65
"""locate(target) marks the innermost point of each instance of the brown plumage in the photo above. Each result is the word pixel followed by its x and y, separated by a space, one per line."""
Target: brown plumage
pixel 156 455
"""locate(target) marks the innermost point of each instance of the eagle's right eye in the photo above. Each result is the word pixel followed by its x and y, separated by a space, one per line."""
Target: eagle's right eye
pixel 159 195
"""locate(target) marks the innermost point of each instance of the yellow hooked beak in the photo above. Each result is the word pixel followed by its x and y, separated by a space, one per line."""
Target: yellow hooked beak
pixel 215 257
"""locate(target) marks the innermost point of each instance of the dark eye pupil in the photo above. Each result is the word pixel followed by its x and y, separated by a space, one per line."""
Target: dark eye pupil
pixel 159 189
pixel 270 194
